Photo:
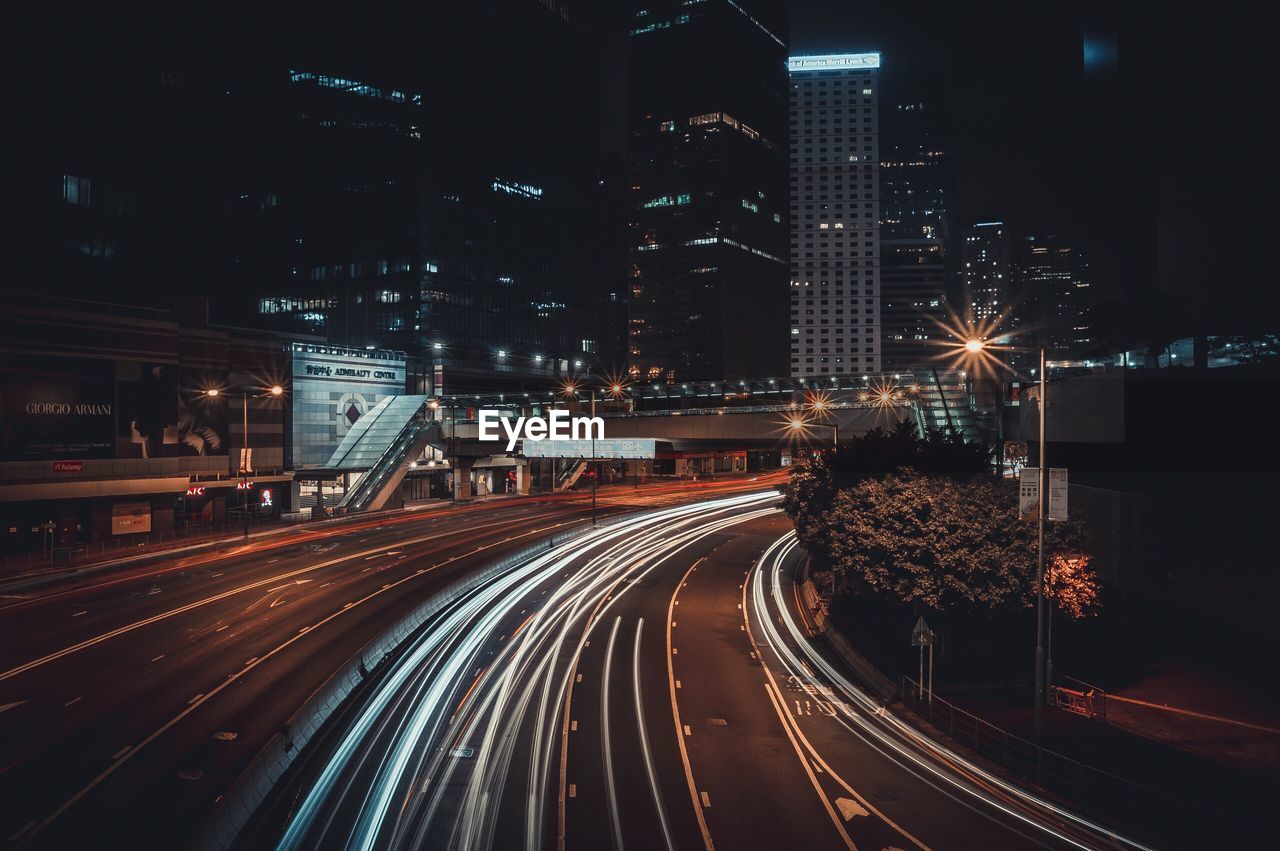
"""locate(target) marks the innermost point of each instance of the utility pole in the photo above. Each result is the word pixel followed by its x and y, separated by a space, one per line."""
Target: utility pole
pixel 595 472
pixel 244 465
pixel 1043 500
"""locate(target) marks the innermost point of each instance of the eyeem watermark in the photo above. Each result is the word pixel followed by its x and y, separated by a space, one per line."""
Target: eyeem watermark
pixel 559 426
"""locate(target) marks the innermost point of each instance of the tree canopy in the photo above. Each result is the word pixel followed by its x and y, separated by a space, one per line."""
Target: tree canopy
pixel 940 543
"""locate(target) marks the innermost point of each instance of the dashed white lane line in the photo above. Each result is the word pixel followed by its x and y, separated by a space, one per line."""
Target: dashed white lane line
pixel 124 750
pixel 706 799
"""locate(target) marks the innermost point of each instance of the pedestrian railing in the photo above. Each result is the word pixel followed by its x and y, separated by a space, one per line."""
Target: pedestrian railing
pixel 1118 799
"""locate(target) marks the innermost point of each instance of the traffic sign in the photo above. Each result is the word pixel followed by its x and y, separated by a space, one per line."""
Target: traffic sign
pixel 921 636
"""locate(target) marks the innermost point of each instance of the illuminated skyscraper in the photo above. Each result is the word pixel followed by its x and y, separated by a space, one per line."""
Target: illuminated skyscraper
pixel 709 225
pixel 985 272
pixel 835 213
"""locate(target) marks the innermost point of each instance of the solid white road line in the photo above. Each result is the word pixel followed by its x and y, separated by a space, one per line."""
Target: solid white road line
pixel 644 741
pixel 610 792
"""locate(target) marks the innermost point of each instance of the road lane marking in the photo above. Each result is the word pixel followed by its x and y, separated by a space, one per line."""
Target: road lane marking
pixel 124 750
pixel 72 702
pixel 779 708
pixel 5 707
pixel 194 699
pixel 158 658
pixel 644 741
pixel 772 688
pixel 252 586
pixel 81 612
pixel 611 793
pixel 675 713
pixel 706 799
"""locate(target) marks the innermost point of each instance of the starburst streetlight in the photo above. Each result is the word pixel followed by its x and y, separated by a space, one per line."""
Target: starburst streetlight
pixel 979 347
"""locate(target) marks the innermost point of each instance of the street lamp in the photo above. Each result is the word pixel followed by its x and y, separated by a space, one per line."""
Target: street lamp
pixel 976 346
pixel 275 391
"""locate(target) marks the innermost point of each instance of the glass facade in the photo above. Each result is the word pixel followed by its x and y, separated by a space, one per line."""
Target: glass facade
pixel 332 389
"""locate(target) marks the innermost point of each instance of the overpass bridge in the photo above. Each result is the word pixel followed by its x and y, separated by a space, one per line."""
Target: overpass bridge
pixel 699 427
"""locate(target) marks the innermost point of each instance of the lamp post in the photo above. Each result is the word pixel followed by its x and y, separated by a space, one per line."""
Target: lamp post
pixel 275 391
pixel 595 472
pixel 976 346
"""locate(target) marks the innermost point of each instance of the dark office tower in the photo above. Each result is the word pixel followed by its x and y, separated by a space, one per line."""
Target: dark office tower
pixel 1053 295
pixel 835 213
pixel 447 203
pixel 708 121
pixel 912 302
pixel 317 179
pixel 985 275
pixel 914 174
pixel 914 233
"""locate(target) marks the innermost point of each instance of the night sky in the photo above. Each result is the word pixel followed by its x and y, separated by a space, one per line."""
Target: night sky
pixel 1152 166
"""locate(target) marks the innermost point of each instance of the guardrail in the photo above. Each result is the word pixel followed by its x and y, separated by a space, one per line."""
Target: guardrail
pixel 1119 799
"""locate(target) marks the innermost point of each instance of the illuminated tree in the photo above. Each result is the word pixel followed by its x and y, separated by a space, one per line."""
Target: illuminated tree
pixel 1071 585
pixel 942 544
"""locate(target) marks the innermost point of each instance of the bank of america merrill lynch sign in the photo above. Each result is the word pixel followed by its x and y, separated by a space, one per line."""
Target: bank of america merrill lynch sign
pixel 560 435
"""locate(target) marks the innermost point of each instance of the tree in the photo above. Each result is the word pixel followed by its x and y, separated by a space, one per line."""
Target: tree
pixel 809 496
pixel 938 542
pixel 1071 586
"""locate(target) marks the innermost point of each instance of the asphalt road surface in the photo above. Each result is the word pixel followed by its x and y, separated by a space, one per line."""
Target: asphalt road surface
pixel 649 685
pixel 131 700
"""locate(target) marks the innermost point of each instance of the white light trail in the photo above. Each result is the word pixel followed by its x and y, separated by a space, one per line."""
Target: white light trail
pixel 401 741
pixel 927 759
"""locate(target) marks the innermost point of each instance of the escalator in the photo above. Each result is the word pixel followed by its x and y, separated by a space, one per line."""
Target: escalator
pixel 385 441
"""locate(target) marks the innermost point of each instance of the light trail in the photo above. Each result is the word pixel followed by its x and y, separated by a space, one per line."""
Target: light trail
pixel 929 760
pixel 417 766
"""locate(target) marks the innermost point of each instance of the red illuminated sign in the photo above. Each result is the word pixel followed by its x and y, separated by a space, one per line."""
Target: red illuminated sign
pixel 195 491
pixel 68 466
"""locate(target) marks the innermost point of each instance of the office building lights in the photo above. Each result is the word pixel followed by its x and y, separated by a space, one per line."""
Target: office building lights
pixel 354 87
pixel 666 201
pixel 524 190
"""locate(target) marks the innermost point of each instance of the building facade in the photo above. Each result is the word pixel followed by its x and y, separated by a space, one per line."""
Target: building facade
pixel 1053 295
pixel 835 212
pixel 986 275
pixel 913 312
pixel 915 234
pixel 447 203
pixel 119 422
pixel 708 210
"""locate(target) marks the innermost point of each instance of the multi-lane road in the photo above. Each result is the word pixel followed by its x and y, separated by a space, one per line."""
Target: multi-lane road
pixel 650 685
pixel 130 700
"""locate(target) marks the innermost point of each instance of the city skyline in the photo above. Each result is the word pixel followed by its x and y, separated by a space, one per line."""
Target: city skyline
pixel 547 424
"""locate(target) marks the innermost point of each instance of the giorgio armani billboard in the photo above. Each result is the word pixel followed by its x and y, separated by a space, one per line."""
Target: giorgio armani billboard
pixel 56 408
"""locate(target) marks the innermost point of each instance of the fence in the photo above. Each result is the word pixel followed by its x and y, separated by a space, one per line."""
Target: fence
pixel 1113 797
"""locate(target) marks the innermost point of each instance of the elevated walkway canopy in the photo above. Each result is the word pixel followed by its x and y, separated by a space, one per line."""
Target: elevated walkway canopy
pixel 366 440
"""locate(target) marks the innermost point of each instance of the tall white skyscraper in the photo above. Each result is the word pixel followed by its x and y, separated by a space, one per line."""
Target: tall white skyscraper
pixel 835 215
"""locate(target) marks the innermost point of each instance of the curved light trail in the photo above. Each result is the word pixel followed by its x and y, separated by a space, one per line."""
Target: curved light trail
pixel 430 758
pixel 929 760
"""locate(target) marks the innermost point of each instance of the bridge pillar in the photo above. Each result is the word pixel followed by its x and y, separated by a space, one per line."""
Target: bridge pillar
pixel 523 479
pixel 462 478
